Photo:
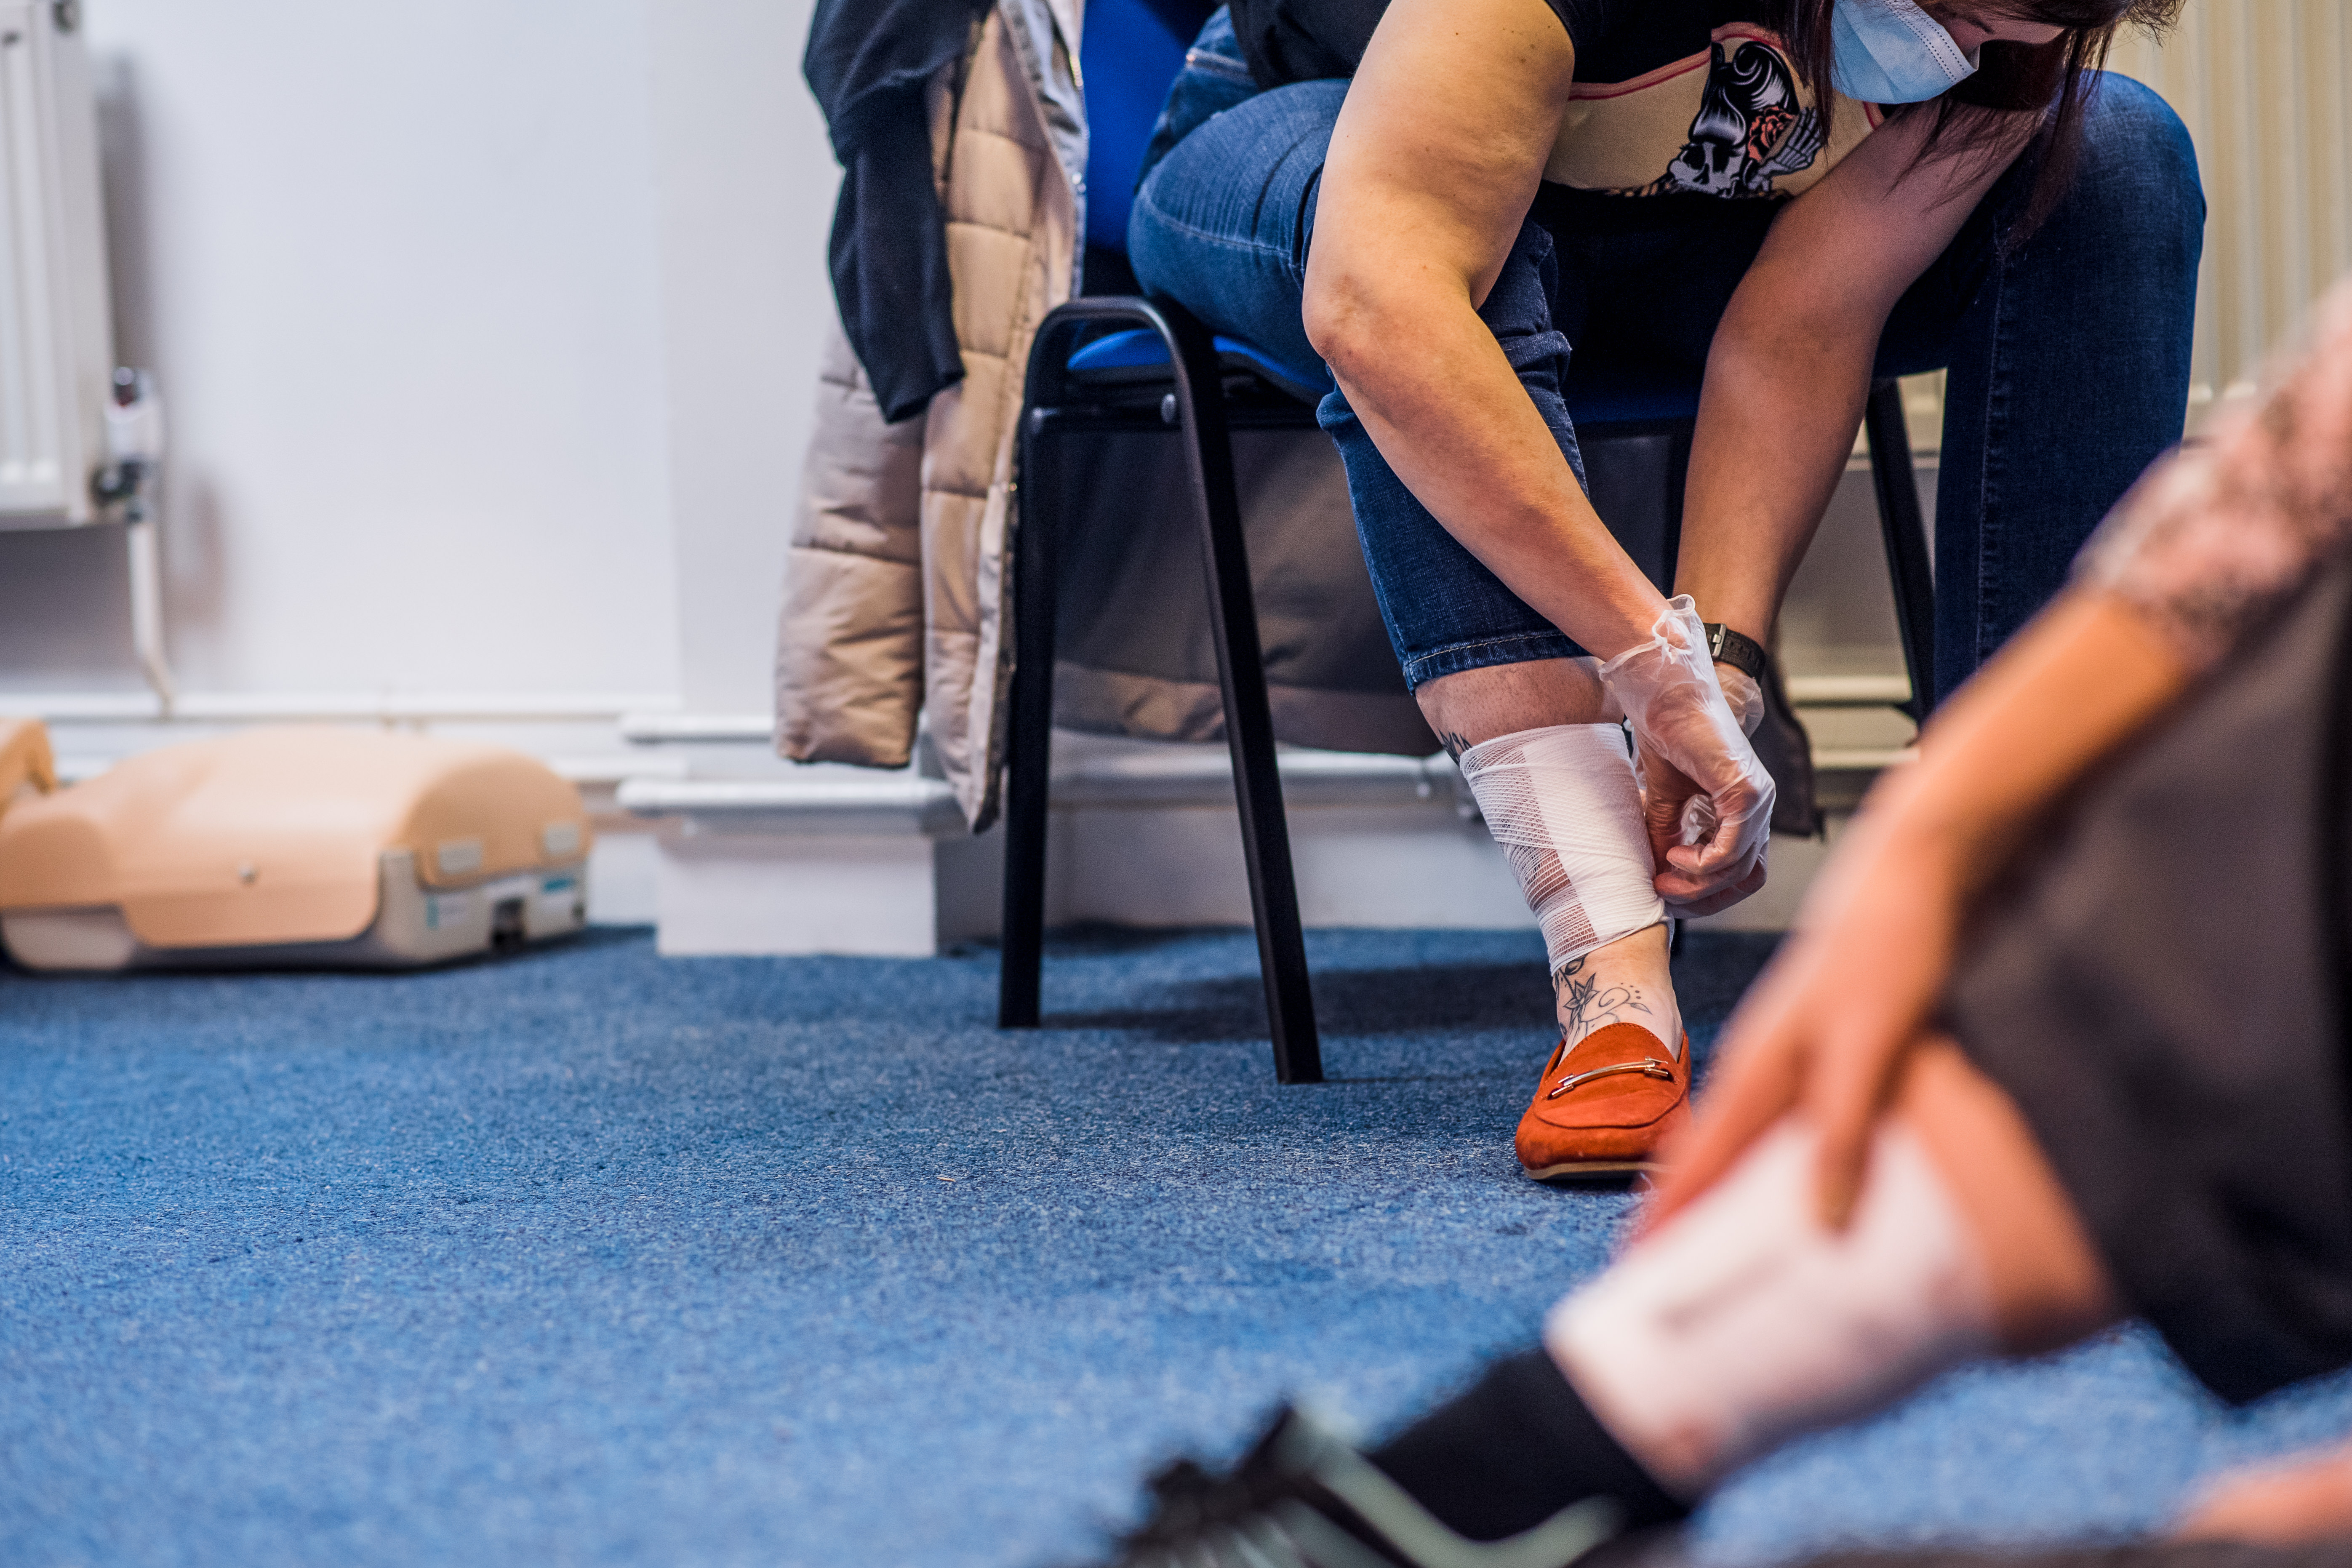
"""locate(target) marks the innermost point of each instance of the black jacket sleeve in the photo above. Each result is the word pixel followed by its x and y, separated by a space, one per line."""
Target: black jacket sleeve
pixel 869 62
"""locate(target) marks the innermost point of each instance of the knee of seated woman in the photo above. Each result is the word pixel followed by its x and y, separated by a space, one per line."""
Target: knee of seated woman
pixel 2135 147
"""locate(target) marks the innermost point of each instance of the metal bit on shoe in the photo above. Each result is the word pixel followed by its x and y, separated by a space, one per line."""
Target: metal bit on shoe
pixel 1648 1067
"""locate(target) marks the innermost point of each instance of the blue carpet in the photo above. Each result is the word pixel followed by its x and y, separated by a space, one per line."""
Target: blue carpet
pixel 593 1258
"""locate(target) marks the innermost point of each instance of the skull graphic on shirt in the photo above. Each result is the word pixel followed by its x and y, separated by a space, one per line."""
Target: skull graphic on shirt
pixel 1750 128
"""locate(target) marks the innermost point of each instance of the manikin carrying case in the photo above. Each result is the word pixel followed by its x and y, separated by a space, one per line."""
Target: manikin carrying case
pixel 290 846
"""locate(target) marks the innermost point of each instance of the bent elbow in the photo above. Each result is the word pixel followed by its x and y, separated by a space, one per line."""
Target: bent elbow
pixel 1343 324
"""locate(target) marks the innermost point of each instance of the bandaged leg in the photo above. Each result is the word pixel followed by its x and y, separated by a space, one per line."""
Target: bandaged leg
pixel 1744 1322
pixel 1563 804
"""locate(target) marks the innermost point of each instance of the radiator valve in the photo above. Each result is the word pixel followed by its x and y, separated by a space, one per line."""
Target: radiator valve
pixel 135 443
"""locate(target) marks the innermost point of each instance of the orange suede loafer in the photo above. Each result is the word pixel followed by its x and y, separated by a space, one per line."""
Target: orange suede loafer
pixel 1604 1108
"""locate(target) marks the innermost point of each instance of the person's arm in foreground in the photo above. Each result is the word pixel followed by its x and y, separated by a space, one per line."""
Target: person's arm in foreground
pixel 2188 565
pixel 1790 365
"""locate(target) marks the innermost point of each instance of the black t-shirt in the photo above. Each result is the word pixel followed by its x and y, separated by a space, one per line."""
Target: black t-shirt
pixel 1305 40
pixel 1672 97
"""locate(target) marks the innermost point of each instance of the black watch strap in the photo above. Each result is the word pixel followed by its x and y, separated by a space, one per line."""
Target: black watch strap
pixel 1741 652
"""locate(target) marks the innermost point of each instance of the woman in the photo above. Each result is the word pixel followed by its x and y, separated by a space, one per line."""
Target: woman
pixel 1509 197
pixel 2065 1036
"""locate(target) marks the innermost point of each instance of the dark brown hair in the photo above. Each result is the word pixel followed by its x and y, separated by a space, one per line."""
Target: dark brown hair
pixel 1970 119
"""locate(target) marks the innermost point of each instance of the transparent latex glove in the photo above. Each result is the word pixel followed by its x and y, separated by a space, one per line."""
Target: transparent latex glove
pixel 1743 696
pixel 1706 798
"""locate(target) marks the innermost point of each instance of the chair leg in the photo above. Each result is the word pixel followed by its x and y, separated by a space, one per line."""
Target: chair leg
pixel 1905 533
pixel 1249 716
pixel 1678 457
pixel 1030 743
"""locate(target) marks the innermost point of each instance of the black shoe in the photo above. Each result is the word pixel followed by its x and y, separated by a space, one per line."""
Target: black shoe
pixel 1302 1499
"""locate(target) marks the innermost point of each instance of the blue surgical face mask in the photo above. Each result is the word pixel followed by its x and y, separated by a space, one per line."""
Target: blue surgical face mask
pixel 1890 51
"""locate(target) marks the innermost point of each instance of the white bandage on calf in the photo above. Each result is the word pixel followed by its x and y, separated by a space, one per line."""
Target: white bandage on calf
pixel 1563 804
pixel 1744 1321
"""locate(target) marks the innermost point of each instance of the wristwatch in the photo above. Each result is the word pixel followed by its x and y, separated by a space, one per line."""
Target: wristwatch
pixel 1741 652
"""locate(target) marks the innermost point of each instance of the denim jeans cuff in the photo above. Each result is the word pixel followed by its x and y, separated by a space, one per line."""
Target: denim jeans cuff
pixel 1517 649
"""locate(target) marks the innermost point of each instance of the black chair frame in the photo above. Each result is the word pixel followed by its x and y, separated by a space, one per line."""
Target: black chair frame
pixel 1903 528
pixel 1194 403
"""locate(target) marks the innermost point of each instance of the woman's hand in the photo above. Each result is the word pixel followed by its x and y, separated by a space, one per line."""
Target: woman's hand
pixel 1825 1031
pixel 1667 793
pixel 1705 797
pixel 1743 695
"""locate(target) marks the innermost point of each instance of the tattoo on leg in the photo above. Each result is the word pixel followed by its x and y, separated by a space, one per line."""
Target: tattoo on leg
pixel 1586 1004
pixel 1454 744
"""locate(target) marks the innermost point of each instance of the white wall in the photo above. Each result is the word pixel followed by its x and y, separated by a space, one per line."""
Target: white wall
pixel 747 185
pixel 486 329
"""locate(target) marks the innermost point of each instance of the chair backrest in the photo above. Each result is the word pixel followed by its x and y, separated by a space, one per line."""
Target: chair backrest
pixel 1131 51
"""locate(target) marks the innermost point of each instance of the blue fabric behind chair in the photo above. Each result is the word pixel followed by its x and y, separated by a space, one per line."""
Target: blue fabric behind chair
pixel 1131 51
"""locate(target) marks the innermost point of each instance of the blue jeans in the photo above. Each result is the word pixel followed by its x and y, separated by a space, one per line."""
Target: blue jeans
pixel 2068 358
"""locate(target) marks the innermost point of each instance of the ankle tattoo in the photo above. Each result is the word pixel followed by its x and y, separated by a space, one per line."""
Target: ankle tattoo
pixel 1586 1003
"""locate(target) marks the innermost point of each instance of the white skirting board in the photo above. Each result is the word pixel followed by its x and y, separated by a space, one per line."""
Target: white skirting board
pixel 786 891
pixel 1138 836
pixel 1395 866
pixel 776 893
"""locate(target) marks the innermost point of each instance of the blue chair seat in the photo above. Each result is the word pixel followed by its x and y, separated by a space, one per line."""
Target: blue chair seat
pixel 1138 356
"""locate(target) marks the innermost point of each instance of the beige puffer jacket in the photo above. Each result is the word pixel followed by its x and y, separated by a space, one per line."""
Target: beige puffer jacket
pixel 894 590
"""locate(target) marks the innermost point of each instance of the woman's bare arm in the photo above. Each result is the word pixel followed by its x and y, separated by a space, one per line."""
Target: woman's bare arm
pixel 1790 364
pixel 1432 167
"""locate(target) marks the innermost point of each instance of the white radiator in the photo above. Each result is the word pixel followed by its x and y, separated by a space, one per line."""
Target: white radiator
pixel 2262 87
pixel 57 355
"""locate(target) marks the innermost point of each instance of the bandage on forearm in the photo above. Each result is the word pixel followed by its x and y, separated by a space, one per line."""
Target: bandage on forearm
pixel 1744 1321
pixel 1563 804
